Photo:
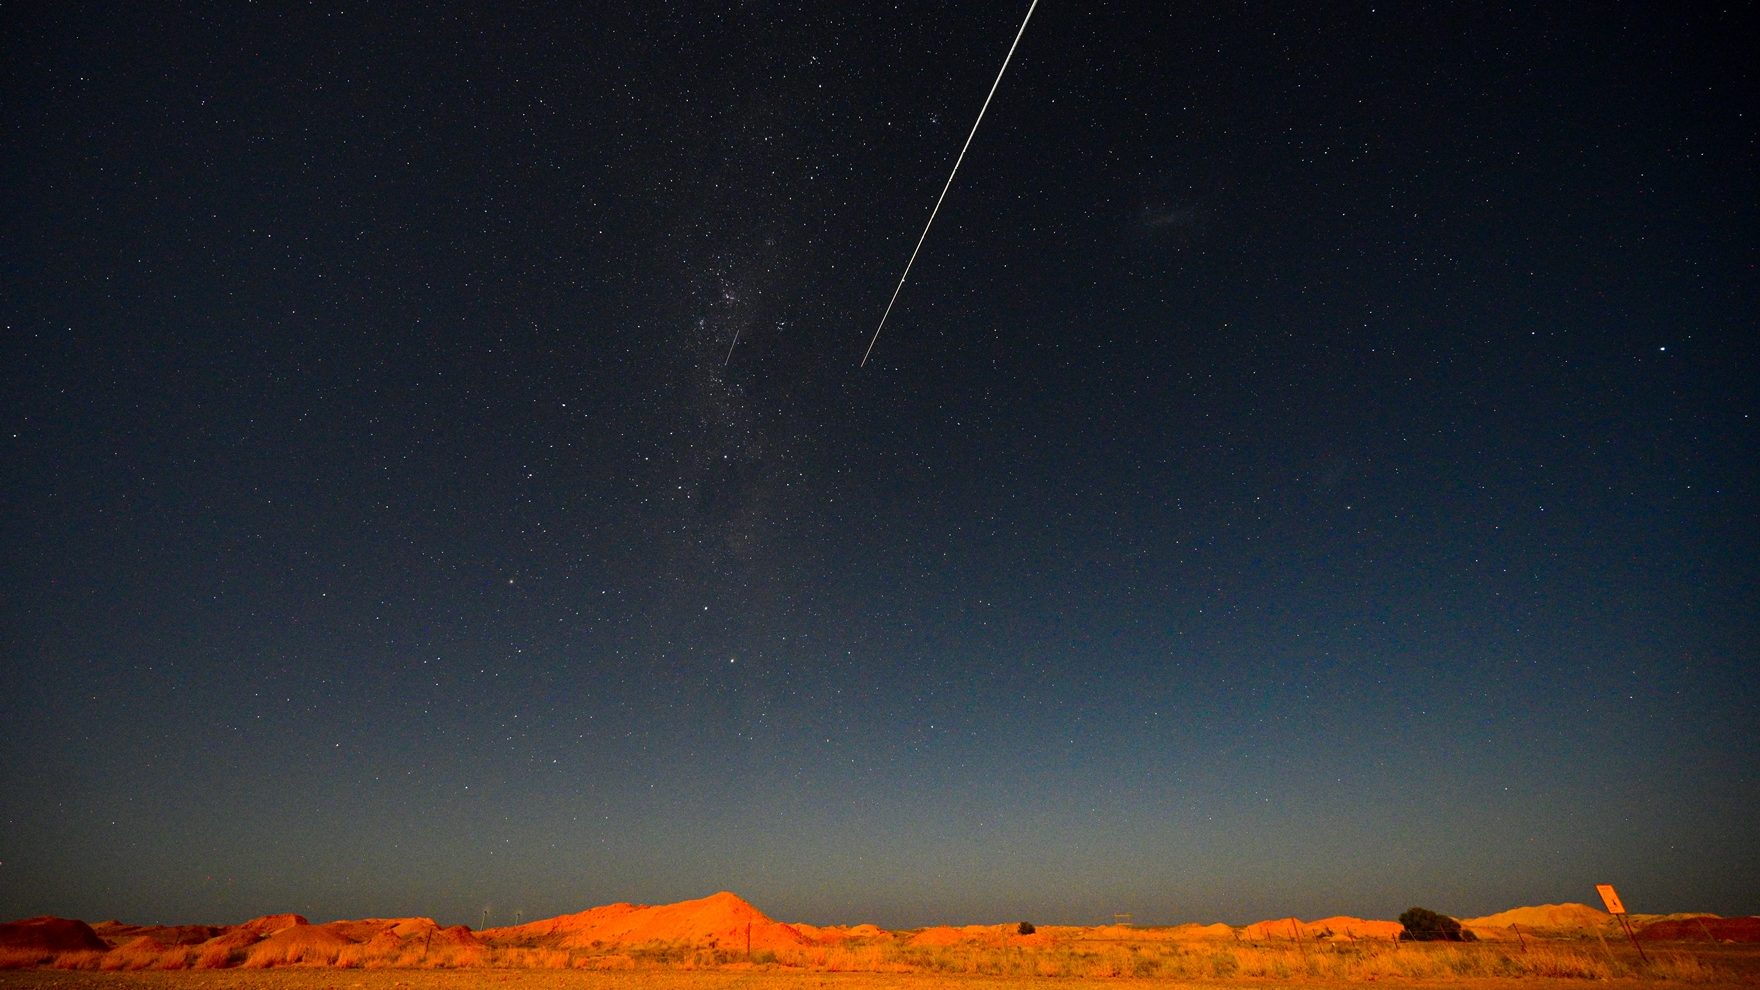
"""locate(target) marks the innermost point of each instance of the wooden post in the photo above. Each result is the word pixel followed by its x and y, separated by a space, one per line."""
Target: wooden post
pixel 1628 927
pixel 1518 930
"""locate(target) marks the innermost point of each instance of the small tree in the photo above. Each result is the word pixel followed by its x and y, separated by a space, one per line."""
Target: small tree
pixel 1423 925
pixel 1025 928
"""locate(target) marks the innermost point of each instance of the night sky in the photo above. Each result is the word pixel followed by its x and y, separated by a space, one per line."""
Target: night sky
pixel 1312 466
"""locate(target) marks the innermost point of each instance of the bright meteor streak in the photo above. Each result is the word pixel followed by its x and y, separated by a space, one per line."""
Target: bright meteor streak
pixel 962 157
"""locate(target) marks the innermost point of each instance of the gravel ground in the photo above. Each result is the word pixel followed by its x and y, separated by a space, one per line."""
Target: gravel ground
pixel 320 979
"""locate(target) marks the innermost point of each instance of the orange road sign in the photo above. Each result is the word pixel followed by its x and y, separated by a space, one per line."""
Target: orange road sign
pixel 1610 898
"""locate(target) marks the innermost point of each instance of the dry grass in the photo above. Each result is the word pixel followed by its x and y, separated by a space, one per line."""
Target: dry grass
pixel 727 979
pixel 919 966
pixel 1350 962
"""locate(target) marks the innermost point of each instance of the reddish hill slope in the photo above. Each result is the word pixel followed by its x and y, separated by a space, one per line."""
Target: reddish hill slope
pixel 50 936
pixel 720 920
pixel 1545 916
pixel 1709 928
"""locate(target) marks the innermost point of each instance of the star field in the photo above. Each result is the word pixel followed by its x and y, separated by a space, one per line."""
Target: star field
pixel 1310 469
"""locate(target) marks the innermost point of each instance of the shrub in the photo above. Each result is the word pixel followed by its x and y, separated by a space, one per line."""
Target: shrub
pixel 1025 928
pixel 1423 925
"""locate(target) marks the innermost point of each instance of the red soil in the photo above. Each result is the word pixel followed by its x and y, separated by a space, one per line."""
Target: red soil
pixel 836 934
pixel 50 935
pixel 297 944
pixel 978 934
pixel 269 924
pixel 1704 929
pixel 365 929
pixel 233 938
pixel 721 920
pixel 116 933
pixel 1544 916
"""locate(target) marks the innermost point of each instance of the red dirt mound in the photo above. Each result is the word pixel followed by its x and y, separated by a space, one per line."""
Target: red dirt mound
pixel 1703 929
pixel 311 944
pixel 941 935
pixel 978 935
pixel 1346 927
pixel 50 935
pixel 721 920
pixel 233 938
pixel 364 929
pixel 385 942
pixel 456 935
pixel 116 933
pixel 1194 932
pixel 269 924
pixel 1336 927
pixel 1571 916
pixel 838 934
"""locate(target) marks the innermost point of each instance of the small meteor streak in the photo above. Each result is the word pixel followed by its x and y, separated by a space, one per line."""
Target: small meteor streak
pixel 730 347
pixel 962 157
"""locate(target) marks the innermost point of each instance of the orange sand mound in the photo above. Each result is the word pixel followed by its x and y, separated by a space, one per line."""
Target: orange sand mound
pixel 458 935
pixel 1200 933
pixel 938 936
pixel 1347 927
pixel 233 938
pixel 837 934
pixel 310 944
pixel 978 934
pixel 144 952
pixel 385 942
pixel 116 933
pixel 1700 929
pixel 1273 928
pixel 1545 916
pixel 414 926
pixel 269 924
pixel 364 929
pixel 50 935
pixel 306 943
pixel 1336 927
pixel 721 920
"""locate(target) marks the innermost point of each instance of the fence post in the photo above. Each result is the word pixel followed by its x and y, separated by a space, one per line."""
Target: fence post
pixel 1628 927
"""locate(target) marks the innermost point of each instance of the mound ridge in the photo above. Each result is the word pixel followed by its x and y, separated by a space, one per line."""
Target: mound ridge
pixel 1545 916
pixel 721 920
pixel 269 924
pixel 1341 926
pixel 50 935
pixel 116 933
pixel 1703 928
pixel 612 937
pixel 310 944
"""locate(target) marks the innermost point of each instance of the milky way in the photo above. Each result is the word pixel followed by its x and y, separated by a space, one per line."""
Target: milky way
pixel 1317 478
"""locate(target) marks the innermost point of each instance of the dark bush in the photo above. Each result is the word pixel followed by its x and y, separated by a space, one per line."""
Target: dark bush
pixel 1422 925
pixel 1025 928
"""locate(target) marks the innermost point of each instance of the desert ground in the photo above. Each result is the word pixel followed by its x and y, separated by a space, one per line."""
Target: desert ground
pixel 1746 976
pixel 722 942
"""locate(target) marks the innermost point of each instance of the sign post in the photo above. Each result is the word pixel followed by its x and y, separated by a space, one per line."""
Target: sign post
pixel 1610 897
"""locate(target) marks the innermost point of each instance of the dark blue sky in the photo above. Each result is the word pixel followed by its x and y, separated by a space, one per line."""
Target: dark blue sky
pixel 1311 468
